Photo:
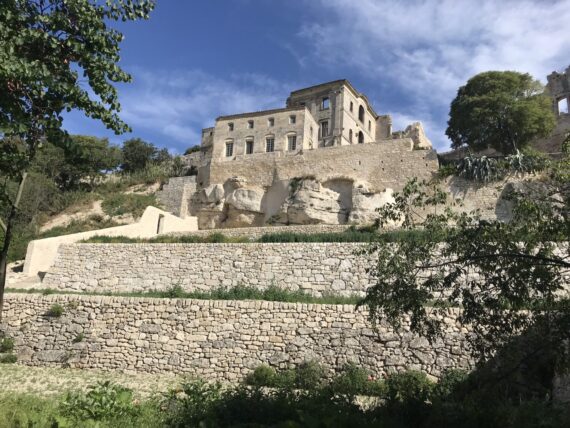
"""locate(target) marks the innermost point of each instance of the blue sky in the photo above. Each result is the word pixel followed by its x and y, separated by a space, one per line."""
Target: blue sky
pixel 196 60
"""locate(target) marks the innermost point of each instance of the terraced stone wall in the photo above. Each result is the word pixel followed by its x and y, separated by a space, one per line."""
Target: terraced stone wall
pixel 316 268
pixel 221 340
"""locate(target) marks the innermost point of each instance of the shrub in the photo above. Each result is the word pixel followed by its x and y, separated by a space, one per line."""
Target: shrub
pixel 6 344
pixel 195 406
pixel 449 383
pixel 410 386
pixel 354 380
pixel 263 375
pixel 55 311
pixel 8 359
pixel 175 292
pixel 79 338
pixel 309 375
pixel 103 401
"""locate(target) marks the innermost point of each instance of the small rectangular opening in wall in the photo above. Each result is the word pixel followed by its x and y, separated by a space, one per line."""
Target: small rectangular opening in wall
pixel 249 147
pixel 563 106
pixel 160 225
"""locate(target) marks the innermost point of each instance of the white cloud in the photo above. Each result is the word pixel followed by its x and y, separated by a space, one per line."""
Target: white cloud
pixel 428 48
pixel 178 104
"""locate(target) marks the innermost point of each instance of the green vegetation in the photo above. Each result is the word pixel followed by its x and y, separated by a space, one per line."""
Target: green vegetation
pixel 6 345
pixel 55 311
pixel 127 203
pixel 305 395
pixel 272 293
pixel 504 110
pixel 8 358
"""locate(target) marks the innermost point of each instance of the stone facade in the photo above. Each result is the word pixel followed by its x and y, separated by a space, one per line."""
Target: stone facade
pixel 315 268
pixel 329 132
pixel 221 340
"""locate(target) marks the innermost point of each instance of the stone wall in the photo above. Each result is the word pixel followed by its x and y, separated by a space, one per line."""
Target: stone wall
pixel 221 340
pixel 384 165
pixel 316 268
pixel 174 195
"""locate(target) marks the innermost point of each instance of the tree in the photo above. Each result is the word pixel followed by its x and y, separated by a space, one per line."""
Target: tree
pixel 506 277
pixel 137 154
pixel 504 110
pixel 45 45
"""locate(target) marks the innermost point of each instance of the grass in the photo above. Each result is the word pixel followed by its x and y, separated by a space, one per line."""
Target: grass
pixel 239 292
pixel 350 235
pixel 127 203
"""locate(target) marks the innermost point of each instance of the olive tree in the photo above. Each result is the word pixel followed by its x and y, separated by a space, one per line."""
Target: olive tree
pixel 55 56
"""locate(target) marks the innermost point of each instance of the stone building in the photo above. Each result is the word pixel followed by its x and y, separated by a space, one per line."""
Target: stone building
pixel 343 158
pixel 558 87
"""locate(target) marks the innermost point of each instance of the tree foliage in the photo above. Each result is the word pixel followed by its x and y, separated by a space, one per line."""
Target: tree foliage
pixel 507 277
pixel 138 154
pixel 55 56
pixel 504 110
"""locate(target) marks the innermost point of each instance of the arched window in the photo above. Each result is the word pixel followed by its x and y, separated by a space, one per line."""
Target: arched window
pixel 350 136
pixel 361 114
pixel 360 137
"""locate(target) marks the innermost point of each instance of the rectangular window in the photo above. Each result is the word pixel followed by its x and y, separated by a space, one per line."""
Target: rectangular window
pixel 229 149
pixel 270 121
pixel 351 106
pixel 249 147
pixel 292 119
pixel 324 129
pixel 230 126
pixel 326 103
pixel 292 142
pixel 250 124
pixel 270 145
pixel 369 125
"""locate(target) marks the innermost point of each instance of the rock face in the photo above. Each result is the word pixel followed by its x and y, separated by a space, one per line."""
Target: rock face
pixel 416 132
pixel 299 201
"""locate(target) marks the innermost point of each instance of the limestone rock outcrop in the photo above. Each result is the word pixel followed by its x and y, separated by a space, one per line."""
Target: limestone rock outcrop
pixel 365 203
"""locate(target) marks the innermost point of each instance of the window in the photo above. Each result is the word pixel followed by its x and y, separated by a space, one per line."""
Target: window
pixel 324 129
pixel 563 106
pixel 230 126
pixel 351 106
pixel 229 149
pixel 249 147
pixel 250 124
pixel 270 144
pixel 270 121
pixel 360 137
pixel 326 103
pixel 350 136
pixel 369 125
pixel 292 119
pixel 292 142
pixel 361 114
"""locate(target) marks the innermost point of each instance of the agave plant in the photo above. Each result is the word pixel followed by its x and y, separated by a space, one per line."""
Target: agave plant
pixel 481 168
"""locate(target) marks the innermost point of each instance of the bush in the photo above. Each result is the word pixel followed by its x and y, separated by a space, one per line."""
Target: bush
pixel 175 292
pixel 309 375
pixel 55 311
pixel 6 344
pixel 102 402
pixel 410 386
pixel 449 383
pixel 354 380
pixel 263 375
pixel 8 359
pixel 79 338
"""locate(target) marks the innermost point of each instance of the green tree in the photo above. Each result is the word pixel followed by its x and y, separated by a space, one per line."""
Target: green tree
pixel 506 276
pixel 504 110
pixel 55 56
pixel 137 154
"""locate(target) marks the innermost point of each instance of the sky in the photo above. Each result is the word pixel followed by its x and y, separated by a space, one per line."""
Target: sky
pixel 193 61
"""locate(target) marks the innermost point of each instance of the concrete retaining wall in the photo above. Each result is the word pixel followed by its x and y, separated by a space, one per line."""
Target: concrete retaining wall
pixel 217 339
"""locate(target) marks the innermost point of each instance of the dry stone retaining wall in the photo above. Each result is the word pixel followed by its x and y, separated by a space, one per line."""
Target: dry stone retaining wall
pixel 221 340
pixel 253 233
pixel 316 268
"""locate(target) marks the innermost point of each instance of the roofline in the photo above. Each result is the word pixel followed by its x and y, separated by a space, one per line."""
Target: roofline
pixel 345 82
pixel 260 113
